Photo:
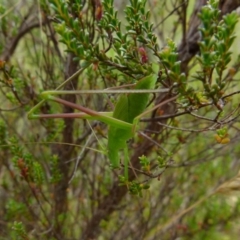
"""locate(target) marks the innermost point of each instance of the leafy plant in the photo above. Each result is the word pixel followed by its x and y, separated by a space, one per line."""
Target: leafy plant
pixel 55 176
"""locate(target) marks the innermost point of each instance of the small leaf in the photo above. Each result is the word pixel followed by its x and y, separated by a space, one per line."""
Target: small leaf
pixel 222 140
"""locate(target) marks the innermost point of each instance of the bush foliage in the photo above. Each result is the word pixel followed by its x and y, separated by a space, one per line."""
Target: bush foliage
pixel 55 176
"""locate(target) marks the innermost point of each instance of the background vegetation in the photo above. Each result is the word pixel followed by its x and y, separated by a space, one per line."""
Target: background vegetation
pixel 191 145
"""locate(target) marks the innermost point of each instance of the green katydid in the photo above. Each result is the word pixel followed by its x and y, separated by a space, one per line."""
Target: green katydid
pixel 127 109
pixel 122 121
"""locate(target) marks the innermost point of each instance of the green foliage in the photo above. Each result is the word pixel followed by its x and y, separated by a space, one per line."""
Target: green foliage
pixel 161 162
pixel 169 59
pixel 145 163
pixel 136 188
pixel 20 232
pixel 55 127
pixel 3 134
pixel 56 175
pixel 15 208
pixel 217 38
pixel 38 173
pixel 9 78
pixel 180 152
pixel 29 169
pixel 124 41
pixel 15 147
